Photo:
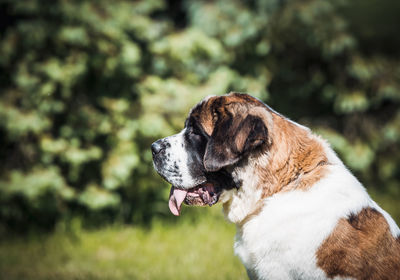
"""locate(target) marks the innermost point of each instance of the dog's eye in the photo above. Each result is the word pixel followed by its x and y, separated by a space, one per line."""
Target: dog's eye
pixel 195 133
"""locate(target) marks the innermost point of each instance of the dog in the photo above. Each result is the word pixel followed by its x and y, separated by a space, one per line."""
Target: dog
pixel 299 212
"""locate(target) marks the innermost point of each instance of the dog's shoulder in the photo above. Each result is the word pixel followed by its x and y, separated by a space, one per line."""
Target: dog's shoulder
pixel 307 233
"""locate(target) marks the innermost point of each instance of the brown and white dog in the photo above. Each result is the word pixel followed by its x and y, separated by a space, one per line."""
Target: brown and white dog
pixel 300 214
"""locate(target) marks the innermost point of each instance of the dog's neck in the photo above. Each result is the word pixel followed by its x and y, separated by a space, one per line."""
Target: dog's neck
pixel 295 160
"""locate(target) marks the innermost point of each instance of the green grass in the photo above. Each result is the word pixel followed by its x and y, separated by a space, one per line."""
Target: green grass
pixel 201 249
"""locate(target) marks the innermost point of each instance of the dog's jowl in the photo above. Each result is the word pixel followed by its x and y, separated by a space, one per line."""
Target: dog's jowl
pixel 299 212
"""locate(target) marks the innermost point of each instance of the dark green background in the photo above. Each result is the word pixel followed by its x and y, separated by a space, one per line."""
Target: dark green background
pixel 87 86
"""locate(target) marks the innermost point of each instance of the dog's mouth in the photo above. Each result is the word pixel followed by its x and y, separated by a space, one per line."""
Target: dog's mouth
pixel 201 195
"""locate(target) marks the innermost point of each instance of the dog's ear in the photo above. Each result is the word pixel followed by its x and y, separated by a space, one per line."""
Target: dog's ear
pixel 231 139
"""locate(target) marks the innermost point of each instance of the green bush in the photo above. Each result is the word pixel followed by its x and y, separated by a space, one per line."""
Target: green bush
pixel 86 86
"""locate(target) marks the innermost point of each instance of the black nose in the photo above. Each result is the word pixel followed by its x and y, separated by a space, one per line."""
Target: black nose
pixel 156 147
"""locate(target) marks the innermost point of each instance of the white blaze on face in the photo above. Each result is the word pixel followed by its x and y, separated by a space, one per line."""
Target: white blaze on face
pixel 177 166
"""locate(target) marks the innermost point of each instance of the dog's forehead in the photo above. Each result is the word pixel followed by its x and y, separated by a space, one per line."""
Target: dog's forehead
pixel 204 113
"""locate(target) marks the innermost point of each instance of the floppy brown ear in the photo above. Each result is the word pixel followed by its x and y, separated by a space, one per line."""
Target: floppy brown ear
pixel 233 138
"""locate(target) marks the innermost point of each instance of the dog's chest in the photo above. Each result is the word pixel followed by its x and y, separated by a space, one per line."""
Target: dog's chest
pixel 282 240
pixel 276 251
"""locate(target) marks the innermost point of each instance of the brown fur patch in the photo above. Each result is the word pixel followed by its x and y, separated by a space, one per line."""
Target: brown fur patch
pixel 234 103
pixel 297 159
pixel 205 116
pixel 362 247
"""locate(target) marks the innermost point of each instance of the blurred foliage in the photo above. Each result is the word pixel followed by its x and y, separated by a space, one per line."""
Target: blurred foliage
pixel 86 86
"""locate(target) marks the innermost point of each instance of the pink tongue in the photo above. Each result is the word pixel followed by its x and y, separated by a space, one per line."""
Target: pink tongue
pixel 176 197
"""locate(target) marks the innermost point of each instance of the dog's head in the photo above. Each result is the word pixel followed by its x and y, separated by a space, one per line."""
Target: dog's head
pixel 219 133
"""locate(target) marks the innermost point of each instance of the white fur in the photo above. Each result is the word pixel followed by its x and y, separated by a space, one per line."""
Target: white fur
pixel 282 240
pixel 246 200
pixel 177 169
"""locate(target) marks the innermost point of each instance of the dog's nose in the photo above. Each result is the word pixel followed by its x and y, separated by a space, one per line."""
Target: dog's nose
pixel 156 147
